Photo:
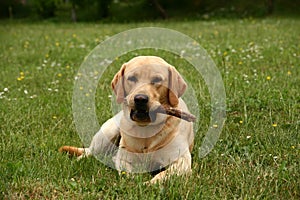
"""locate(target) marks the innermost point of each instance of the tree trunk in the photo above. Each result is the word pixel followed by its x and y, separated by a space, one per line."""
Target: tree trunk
pixel 10 12
pixel 73 13
pixel 270 6
pixel 160 9
pixel 103 8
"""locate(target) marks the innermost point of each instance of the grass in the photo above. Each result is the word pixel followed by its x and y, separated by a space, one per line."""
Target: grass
pixel 257 156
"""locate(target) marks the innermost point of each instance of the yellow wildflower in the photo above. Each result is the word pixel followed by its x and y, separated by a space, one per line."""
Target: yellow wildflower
pixel 21 77
pixel 97 40
pixel 26 45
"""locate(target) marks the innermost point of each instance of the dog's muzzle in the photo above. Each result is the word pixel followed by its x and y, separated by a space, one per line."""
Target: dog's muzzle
pixel 140 112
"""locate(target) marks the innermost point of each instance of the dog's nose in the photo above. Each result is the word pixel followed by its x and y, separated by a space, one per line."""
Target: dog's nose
pixel 141 99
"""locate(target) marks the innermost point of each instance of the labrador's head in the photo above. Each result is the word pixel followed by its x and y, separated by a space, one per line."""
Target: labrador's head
pixel 143 84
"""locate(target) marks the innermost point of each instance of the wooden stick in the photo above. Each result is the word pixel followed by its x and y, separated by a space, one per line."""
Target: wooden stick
pixel 173 112
pixel 176 113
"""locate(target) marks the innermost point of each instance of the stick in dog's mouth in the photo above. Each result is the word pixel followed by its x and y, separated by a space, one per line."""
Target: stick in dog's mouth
pixel 167 110
pixel 176 113
pixel 137 115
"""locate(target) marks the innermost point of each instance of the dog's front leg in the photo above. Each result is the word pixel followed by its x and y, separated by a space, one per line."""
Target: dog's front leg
pixel 123 160
pixel 182 166
pixel 106 140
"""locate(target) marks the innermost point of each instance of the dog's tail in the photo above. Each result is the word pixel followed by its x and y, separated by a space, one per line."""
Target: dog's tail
pixel 73 151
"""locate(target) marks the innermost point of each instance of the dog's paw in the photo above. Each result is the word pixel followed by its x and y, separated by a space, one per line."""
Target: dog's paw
pixel 158 179
pixel 81 157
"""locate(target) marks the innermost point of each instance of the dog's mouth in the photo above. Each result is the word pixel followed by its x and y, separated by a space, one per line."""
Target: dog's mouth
pixel 145 116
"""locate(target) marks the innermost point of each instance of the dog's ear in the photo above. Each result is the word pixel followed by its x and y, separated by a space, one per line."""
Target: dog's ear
pixel 177 86
pixel 117 84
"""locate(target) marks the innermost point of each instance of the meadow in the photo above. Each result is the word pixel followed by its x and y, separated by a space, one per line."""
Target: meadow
pixel 256 157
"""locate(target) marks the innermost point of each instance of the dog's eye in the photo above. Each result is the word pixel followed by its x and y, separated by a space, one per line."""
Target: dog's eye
pixel 156 80
pixel 132 79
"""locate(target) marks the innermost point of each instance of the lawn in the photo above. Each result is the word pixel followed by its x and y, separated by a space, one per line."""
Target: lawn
pixel 256 157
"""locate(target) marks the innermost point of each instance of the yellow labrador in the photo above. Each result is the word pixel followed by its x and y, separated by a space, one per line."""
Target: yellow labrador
pixel 146 140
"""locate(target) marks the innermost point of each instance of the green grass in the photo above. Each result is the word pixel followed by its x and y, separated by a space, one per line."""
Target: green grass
pixel 257 156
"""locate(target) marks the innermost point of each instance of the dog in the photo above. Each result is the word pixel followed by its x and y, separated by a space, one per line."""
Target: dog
pixel 143 139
